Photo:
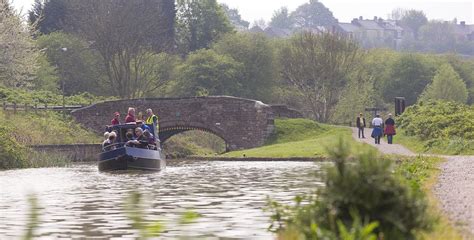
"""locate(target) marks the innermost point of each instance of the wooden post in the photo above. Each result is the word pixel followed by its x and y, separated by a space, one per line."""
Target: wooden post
pixel 14 108
pixel 36 108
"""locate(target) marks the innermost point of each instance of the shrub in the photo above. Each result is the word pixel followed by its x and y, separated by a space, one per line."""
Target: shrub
pixel 12 154
pixel 365 188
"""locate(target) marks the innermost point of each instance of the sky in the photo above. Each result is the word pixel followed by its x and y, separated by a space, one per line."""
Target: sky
pixel 344 10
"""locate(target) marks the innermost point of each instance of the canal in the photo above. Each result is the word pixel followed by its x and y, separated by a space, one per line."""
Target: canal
pixel 79 202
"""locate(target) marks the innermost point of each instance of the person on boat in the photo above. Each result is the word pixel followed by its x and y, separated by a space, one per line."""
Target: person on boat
pixel 377 132
pixel 152 122
pixel 130 118
pixel 390 128
pixel 109 144
pixel 140 140
pixel 151 139
pixel 143 126
pixel 106 142
pixel 115 121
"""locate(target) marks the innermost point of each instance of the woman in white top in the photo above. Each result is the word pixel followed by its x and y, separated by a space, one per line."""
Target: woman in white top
pixel 377 132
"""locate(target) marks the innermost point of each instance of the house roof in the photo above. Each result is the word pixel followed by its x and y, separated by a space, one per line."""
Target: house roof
pixel 369 24
pixel 464 29
pixel 277 32
pixel 348 27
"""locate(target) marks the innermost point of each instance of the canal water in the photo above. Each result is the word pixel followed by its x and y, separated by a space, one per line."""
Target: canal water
pixel 80 202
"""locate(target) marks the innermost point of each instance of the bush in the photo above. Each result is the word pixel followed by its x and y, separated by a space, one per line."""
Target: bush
pixel 446 125
pixel 365 188
pixel 12 154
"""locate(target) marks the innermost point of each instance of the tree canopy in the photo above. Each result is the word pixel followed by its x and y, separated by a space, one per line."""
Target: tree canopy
pixel 313 14
pixel 446 85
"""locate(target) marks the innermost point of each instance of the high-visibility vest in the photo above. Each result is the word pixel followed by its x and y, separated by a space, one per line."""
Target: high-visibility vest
pixel 149 120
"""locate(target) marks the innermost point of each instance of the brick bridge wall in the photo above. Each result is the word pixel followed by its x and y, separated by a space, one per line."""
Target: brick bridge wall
pixel 241 123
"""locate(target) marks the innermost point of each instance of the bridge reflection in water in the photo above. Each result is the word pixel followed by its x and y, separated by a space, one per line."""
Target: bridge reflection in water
pixel 79 202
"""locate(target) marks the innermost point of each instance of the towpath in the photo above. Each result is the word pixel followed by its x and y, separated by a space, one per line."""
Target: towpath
pixel 455 186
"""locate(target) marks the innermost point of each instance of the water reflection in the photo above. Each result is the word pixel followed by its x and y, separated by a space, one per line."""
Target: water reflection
pixel 80 202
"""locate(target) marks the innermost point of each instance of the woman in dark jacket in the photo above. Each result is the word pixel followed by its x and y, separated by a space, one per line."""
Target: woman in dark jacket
pixel 390 129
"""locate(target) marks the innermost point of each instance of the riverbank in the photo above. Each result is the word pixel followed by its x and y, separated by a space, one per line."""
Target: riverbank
pixel 299 138
pixel 427 172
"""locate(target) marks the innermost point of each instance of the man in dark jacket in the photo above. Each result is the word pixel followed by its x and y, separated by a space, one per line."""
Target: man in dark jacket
pixel 361 124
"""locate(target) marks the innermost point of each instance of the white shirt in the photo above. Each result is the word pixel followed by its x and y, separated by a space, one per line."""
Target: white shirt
pixel 377 122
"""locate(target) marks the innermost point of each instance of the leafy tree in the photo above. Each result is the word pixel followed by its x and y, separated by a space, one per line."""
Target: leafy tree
pixel 120 31
pixel 234 16
pixel 282 19
pixel 446 85
pixel 48 15
pixel 17 52
pixel 256 55
pixel 438 36
pixel 46 77
pixel 78 66
pixel 200 23
pixel 313 14
pixel 414 19
pixel 408 77
pixel 206 72
pixel 465 69
pixel 318 65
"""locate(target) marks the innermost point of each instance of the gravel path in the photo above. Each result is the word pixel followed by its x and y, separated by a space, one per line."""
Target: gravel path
pixel 455 186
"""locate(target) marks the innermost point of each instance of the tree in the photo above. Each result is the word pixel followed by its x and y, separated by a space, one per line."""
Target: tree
pixel 206 72
pixel 256 55
pixel 446 85
pixel 438 36
pixel 414 19
pixel 48 15
pixel 318 66
pixel 408 77
pixel 120 31
pixel 78 67
pixel 200 23
pixel 17 52
pixel 234 17
pixel 313 14
pixel 282 19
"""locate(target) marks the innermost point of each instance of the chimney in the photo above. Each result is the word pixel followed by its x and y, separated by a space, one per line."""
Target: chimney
pixel 361 18
pixel 463 23
pixel 375 18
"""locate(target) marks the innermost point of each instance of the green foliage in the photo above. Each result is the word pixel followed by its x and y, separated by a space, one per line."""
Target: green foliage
pixel 199 24
pixel 364 186
pixel 21 96
pixel 408 77
pixel 206 72
pixel 234 17
pixel 282 19
pixel 255 53
pixel 414 20
pixel 45 128
pixel 12 154
pixel 299 138
pixel 47 78
pixel 313 15
pixel 447 85
pixel 441 125
pixel 193 143
pixel 77 65
pixel 150 229
pixel 417 170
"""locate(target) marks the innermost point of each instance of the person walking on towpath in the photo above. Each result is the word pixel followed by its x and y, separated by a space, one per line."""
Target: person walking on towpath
pixel 390 129
pixel 377 132
pixel 361 125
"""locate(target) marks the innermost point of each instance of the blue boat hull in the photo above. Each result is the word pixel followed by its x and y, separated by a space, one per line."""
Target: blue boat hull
pixel 131 159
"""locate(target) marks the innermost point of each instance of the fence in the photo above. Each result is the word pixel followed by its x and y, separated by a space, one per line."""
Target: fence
pixel 14 107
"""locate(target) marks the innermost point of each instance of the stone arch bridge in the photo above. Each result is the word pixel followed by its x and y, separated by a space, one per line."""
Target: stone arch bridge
pixel 241 123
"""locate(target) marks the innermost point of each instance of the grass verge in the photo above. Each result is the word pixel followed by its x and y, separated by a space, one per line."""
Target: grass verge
pixel 299 138
pixel 422 173
pixel 453 146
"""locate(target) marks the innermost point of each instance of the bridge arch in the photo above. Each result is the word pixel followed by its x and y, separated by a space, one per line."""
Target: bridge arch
pixel 241 123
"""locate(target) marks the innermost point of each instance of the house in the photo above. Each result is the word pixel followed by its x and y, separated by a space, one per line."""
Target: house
pixel 464 32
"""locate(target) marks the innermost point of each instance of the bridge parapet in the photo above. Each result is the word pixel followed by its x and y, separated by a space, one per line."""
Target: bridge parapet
pixel 241 123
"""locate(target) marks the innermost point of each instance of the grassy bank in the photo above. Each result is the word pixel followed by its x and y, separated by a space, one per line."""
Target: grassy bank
pixel 422 173
pixel 455 146
pixel 20 130
pixel 299 138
